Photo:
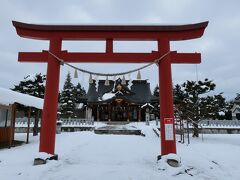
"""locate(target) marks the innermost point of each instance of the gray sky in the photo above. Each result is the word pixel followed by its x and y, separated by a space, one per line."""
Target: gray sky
pixel 219 45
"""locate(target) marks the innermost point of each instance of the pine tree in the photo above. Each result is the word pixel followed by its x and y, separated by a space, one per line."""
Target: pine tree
pixel 156 91
pixel 178 95
pixel 67 98
pixel 192 102
pixel 79 95
pixel 34 87
pixel 228 109
pixel 79 92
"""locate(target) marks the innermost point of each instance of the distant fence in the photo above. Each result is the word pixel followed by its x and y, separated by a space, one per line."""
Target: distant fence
pixel 67 124
pixel 220 123
pixel 215 126
pixel 23 122
pixel 76 122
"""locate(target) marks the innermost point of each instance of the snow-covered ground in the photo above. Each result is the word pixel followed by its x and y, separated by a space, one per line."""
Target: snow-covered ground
pixel 87 156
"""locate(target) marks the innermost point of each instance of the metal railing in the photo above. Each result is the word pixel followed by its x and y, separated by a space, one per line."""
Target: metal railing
pixel 77 122
pixel 71 122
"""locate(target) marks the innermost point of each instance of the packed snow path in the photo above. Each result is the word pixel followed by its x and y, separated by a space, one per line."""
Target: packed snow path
pixel 87 156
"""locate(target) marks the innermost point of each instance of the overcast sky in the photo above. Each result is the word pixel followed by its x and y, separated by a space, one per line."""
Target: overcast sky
pixel 219 46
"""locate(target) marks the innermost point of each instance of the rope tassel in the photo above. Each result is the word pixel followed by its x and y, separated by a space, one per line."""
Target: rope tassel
pixel 139 75
pixel 106 82
pixel 90 79
pixel 75 74
pixel 123 81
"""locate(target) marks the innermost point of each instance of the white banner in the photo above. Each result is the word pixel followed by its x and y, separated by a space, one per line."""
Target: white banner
pixel 168 123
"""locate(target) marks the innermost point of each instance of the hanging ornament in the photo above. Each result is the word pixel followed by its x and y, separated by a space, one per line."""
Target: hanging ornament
pixel 123 80
pixel 90 79
pixel 97 81
pixel 75 74
pixel 106 82
pixel 139 75
pixel 130 80
pixel 114 83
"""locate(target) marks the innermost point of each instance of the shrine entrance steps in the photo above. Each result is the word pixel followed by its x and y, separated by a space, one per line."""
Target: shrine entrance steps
pixel 117 122
pixel 118 128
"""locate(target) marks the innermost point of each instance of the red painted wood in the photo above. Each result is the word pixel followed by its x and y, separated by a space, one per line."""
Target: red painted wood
pixel 110 28
pixel 49 115
pixel 185 58
pixel 166 98
pixel 39 57
pixel 120 32
pixel 75 57
pixel 57 33
pixel 5 134
pixel 109 46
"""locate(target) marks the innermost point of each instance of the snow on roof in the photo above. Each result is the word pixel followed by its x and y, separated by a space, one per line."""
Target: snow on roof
pixel 221 113
pixel 147 104
pixel 8 97
pixel 80 106
pixel 108 96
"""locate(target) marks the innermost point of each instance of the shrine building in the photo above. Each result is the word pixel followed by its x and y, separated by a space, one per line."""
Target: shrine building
pixel 120 100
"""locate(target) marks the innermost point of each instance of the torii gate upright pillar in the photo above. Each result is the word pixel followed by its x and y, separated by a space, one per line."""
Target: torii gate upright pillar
pixel 168 143
pixel 49 116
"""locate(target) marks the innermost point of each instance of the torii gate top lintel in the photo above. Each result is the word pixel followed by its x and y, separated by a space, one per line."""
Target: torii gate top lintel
pixel 110 33
pixel 115 32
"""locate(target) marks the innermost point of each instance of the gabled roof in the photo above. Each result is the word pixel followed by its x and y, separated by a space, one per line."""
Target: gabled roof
pixel 236 110
pixel 139 92
pixel 237 99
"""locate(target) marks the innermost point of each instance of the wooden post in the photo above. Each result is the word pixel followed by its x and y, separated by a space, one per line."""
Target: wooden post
pixel 98 113
pixel 168 139
pixel 109 112
pixel 29 116
pixel 128 113
pixel 12 127
pixel 49 114
pixel 139 113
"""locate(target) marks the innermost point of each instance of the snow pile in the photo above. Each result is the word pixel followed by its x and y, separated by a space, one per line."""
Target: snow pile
pixel 43 155
pixel 8 97
pixel 147 104
pixel 88 156
pixel 163 165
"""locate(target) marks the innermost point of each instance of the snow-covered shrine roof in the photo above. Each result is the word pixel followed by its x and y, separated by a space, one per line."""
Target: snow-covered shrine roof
pixel 107 96
pixel 8 97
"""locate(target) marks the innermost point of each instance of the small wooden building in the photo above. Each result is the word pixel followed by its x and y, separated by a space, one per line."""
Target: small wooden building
pixel 7 113
pixel 8 101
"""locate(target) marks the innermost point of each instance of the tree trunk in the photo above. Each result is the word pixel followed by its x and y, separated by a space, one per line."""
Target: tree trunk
pixel 35 128
pixel 195 130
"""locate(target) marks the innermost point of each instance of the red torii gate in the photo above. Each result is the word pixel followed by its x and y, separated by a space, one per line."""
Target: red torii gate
pixel 55 34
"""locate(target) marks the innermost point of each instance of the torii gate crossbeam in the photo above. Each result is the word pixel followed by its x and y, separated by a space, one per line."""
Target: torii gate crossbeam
pixel 55 34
